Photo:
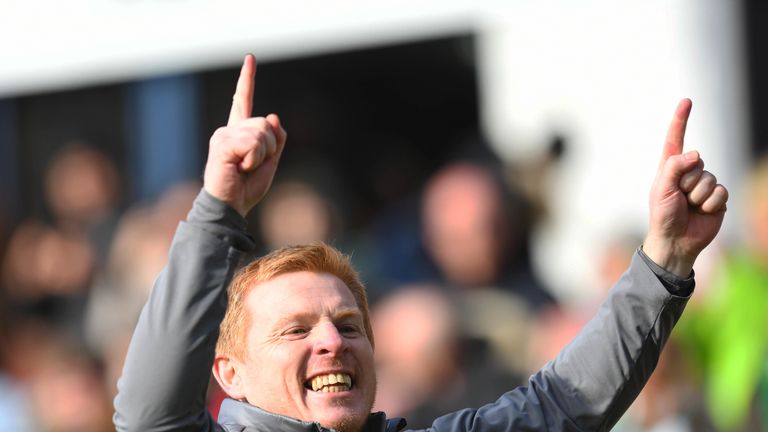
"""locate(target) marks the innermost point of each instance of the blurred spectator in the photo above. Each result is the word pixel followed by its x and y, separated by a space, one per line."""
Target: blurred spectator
pixel 82 186
pixel 501 323
pixel 475 233
pixel 295 213
pixel 138 254
pixel 727 332
pixel 416 333
pixel 61 385
pixel 425 365
pixel 68 395
pixel 45 261
pixel 474 238
pixel 48 266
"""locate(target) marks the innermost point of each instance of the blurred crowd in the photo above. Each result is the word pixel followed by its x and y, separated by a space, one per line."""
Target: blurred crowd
pixel 459 314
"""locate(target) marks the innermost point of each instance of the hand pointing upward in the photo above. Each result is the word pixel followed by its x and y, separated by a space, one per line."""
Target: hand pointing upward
pixel 687 205
pixel 243 155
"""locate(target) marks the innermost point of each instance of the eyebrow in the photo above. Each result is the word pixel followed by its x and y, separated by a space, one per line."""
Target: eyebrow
pixel 339 315
pixel 348 313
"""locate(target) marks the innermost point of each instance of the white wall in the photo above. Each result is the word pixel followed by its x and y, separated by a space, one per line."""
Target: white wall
pixel 607 74
pixel 47 44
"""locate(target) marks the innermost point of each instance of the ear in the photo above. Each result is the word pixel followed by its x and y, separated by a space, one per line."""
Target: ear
pixel 225 370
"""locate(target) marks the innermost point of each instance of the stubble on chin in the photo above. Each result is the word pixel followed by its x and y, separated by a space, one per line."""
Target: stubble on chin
pixel 354 422
pixel 350 424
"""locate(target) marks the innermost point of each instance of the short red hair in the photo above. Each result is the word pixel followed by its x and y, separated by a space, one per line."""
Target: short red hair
pixel 315 257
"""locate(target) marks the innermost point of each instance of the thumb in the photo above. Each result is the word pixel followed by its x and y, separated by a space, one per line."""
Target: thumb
pixel 675 167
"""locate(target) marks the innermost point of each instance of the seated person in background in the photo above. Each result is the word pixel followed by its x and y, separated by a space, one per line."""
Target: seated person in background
pixel 291 343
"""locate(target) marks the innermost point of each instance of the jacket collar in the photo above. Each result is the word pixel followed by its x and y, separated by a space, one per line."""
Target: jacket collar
pixel 242 416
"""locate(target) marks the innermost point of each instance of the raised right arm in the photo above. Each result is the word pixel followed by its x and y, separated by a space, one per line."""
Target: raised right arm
pixel 167 369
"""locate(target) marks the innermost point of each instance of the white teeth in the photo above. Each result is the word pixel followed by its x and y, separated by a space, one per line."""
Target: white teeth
pixel 333 389
pixel 331 383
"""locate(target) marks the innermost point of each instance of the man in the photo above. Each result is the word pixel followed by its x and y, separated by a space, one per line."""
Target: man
pixel 296 348
pixel 464 203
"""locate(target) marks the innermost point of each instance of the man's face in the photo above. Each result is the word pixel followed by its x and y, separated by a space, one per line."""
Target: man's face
pixel 308 356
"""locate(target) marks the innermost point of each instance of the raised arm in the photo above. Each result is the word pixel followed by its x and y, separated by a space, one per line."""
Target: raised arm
pixel 596 377
pixel 167 370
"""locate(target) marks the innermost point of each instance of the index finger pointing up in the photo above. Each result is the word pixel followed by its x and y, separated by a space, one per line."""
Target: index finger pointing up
pixel 676 133
pixel 242 101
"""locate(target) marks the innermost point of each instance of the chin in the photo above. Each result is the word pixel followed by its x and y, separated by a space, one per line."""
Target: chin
pixel 343 419
pixel 346 424
pixel 343 411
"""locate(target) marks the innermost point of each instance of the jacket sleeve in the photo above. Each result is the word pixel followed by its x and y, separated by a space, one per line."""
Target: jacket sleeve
pixel 166 373
pixel 593 381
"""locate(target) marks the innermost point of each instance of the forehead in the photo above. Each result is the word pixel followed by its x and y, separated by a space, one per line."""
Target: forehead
pixel 299 293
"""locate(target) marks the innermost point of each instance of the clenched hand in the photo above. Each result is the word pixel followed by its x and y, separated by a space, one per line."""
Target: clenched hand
pixel 243 155
pixel 687 205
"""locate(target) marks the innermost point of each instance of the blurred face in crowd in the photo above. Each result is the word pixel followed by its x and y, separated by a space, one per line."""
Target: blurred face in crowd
pixel 294 214
pixel 308 356
pixel 416 341
pixel 81 184
pixel 461 224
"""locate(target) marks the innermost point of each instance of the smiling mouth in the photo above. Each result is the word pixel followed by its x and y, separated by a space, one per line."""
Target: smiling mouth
pixel 330 383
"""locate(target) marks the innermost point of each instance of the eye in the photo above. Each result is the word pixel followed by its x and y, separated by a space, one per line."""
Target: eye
pixel 349 329
pixel 296 332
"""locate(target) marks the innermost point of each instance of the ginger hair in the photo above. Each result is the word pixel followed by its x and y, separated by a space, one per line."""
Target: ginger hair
pixel 315 257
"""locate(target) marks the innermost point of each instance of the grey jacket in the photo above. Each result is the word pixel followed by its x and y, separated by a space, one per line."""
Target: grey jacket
pixel 587 387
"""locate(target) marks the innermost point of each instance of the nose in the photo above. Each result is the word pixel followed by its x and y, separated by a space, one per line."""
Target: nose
pixel 328 340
